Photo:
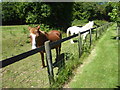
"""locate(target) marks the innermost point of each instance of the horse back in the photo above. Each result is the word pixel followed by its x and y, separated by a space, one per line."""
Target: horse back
pixel 54 35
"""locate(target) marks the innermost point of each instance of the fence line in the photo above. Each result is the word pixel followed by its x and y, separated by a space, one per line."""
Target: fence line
pixel 19 57
pixel 49 45
pixel 47 48
pixel 80 44
pixel 90 37
pixel 49 62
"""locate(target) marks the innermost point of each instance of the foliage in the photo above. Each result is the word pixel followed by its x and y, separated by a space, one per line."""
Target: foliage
pixel 79 22
pixel 58 15
pixel 89 11
pixel 114 14
pixel 61 15
pixel 38 14
pixel 9 14
pixel 100 22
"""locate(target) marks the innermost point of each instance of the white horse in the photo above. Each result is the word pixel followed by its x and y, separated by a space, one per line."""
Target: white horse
pixel 75 30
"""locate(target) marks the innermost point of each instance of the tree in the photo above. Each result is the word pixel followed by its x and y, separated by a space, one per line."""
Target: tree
pixel 114 13
pixel 9 13
pixel 56 14
pixel 61 15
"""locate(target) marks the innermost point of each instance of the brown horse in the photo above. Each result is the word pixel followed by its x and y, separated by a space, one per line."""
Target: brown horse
pixel 38 39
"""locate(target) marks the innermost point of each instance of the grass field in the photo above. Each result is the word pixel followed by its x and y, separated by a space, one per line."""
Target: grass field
pixel 28 73
pixel 25 73
pixel 100 69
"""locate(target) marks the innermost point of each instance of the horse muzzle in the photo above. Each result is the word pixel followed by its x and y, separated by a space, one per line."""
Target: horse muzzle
pixel 34 47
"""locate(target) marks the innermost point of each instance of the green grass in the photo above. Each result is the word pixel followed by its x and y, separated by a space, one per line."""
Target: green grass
pixel 28 73
pixel 100 69
pixel 83 22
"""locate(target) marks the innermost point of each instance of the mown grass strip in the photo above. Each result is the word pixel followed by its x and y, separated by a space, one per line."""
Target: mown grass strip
pixel 101 68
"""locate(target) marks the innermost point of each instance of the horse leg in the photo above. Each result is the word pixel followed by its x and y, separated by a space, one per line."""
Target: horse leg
pixel 42 57
pixel 59 50
pixel 57 54
pixel 84 39
pixel 84 36
pixel 71 40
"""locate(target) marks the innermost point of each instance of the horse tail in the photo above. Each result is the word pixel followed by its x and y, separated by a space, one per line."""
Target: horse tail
pixel 68 31
pixel 60 35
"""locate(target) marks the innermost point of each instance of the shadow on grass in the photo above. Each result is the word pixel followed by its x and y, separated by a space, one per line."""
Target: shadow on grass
pixel 117 88
pixel 61 63
pixel 115 38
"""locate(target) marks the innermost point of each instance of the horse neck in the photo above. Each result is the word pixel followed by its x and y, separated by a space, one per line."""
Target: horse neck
pixel 88 25
pixel 85 27
pixel 42 38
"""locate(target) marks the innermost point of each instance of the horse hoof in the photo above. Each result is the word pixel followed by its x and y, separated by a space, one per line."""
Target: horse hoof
pixel 72 42
pixel 42 67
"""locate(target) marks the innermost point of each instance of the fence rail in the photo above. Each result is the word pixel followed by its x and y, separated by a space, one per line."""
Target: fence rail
pixel 19 57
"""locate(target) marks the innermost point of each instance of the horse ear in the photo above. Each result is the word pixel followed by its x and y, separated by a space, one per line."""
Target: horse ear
pixel 38 27
pixel 29 28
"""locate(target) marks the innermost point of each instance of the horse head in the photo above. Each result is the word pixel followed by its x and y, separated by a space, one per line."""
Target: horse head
pixel 38 38
pixel 34 36
pixel 91 23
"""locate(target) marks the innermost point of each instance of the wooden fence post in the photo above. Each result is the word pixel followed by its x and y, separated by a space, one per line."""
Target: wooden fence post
pixel 96 34
pixel 90 37
pixel 117 38
pixel 79 44
pixel 104 28
pixel 100 31
pixel 49 62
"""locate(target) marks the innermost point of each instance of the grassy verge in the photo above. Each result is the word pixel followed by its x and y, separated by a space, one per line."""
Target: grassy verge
pixel 72 63
pixel 100 69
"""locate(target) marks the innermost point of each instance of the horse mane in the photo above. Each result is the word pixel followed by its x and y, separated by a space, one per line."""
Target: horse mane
pixel 43 32
pixel 88 25
pixel 79 26
pixel 45 35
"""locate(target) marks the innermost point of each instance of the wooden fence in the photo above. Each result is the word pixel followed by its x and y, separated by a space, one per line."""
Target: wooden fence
pixel 49 45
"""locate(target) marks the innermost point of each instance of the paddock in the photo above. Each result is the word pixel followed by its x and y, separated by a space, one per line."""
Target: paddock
pixel 28 72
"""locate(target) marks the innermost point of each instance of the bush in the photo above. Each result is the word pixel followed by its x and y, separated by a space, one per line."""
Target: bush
pixel 79 22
